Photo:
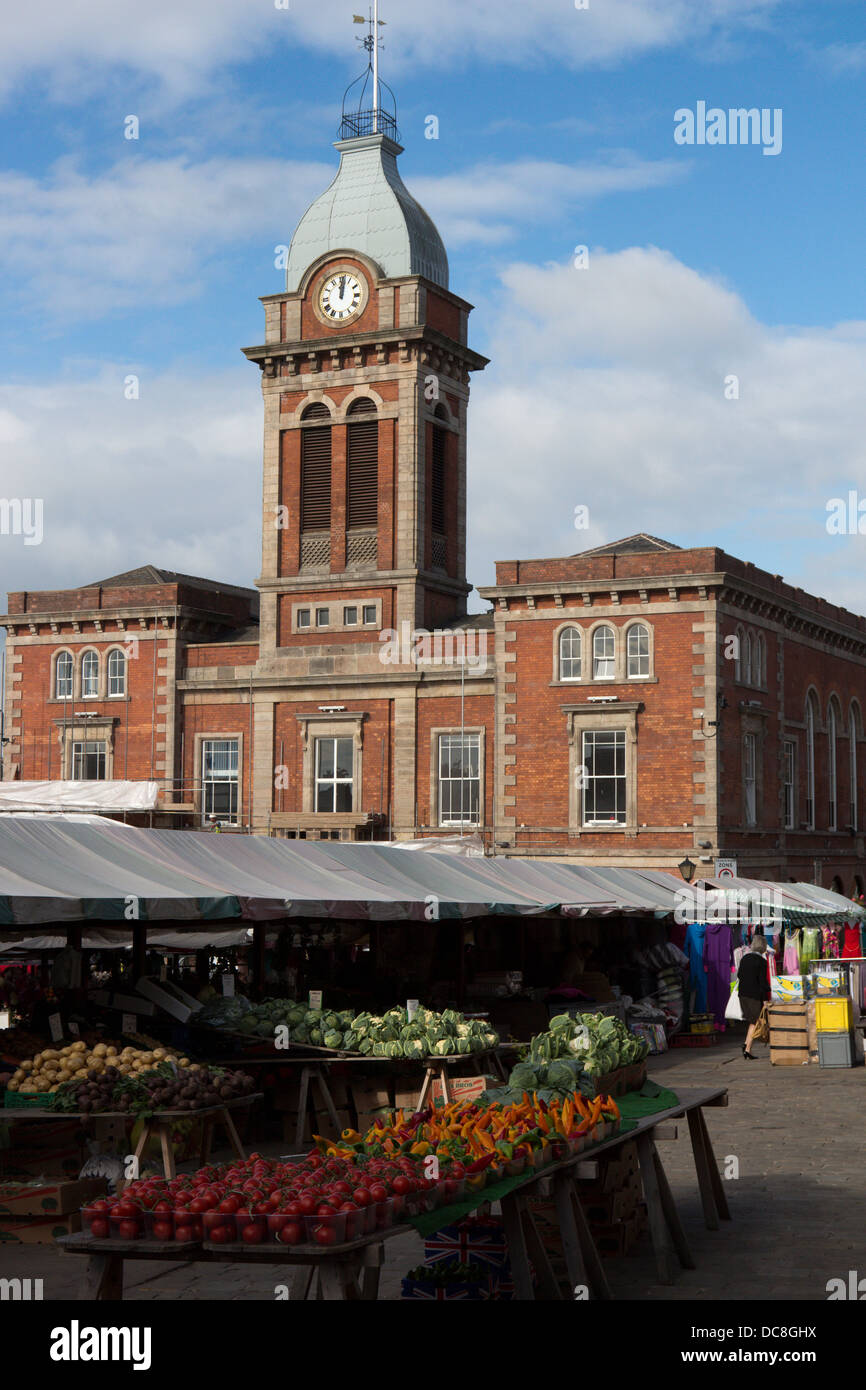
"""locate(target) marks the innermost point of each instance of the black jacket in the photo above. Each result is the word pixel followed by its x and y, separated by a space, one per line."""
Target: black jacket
pixel 754 976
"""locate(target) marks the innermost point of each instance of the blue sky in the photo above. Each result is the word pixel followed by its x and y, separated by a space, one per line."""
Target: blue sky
pixel 556 129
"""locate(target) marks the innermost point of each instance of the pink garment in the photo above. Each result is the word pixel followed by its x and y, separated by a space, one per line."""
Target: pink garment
pixel 791 958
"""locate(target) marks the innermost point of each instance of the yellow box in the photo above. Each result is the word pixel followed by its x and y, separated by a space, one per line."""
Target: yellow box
pixel 834 1015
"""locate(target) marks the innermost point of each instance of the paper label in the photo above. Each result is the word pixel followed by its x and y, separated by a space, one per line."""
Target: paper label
pixel 74 1030
pixel 315 999
pixel 5 1019
pixel 412 1008
pixel 228 986
pixel 129 1023
pixel 55 1024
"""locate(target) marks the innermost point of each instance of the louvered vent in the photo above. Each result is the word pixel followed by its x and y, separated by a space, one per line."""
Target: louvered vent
pixel 438 482
pixel 362 465
pixel 316 475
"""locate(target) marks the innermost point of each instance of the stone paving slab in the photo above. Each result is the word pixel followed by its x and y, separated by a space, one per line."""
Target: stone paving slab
pixel 796 1132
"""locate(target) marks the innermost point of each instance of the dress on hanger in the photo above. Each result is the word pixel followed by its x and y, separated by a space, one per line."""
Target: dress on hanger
pixel 694 949
pixel 791 958
pixel 719 961
pixel 811 947
pixel 851 943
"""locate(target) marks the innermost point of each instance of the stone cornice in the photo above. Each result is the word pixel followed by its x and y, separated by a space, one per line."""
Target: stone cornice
pixel 417 343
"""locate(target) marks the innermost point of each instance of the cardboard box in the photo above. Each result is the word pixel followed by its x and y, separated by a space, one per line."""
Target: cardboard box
pixel 38 1230
pixel 57 1199
pixel 62 1164
pixel 170 998
pixel 465 1088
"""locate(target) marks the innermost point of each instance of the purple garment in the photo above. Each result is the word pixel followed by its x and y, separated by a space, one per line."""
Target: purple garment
pixel 719 963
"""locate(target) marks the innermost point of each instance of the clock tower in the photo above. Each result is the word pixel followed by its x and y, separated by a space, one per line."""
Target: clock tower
pixel 365 377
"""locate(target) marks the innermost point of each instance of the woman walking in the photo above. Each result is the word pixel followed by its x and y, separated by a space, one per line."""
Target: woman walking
pixel 754 988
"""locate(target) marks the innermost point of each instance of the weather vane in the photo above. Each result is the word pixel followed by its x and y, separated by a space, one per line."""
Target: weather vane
pixel 371 43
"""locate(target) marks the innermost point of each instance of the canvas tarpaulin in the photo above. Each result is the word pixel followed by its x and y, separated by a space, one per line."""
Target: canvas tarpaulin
pixel 107 797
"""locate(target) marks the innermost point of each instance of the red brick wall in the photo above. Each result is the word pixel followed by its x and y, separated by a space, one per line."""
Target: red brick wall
pixel 443 712
pixel 232 720
pixel 288 751
pixel 443 315
pixel 312 326
pixel 336 599
pixel 230 654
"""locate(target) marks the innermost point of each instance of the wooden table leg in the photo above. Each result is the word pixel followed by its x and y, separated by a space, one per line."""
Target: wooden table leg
pixel 655 1210
pixel 370 1284
pixel 233 1134
pixel 164 1129
pixel 425 1087
pixel 517 1252
pixel 103 1279
pixel 702 1168
pixel 446 1089
pixel 591 1258
pixel 301 1281
pixel 325 1093
pixel 571 1247
pixel 337 1281
pixel 140 1146
pixel 672 1216
pixel 547 1281
pixel 302 1109
pixel 207 1125
pixel 715 1176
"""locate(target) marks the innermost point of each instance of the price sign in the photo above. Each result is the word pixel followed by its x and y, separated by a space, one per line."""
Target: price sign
pixel 74 1030
pixel 412 1008
pixel 55 1024
pixel 228 986
pixel 315 999
pixel 5 1018
pixel 129 1023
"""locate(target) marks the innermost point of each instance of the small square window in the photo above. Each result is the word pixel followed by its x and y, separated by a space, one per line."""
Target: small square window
pixel 303 617
pixel 323 617
pixel 369 612
pixel 350 617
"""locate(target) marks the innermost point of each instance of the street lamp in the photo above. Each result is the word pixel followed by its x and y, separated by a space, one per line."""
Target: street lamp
pixel 687 869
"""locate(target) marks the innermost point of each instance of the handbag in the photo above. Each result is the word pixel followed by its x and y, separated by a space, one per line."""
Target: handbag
pixel 734 1009
pixel 762 1027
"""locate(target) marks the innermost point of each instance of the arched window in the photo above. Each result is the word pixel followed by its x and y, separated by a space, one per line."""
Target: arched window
pixel 832 778
pixel 362 464
pixel 638 651
pixel 747 660
pixel 759 676
pixel 63 676
pixel 603 654
pixel 810 763
pixel 852 766
pixel 570 654
pixel 89 676
pixel 316 468
pixel 116 673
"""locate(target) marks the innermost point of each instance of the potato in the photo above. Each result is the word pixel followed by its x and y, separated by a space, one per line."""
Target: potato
pixel 27 1066
pixel 183 1061
pixel 79 1046
pixel 27 1089
pixel 12 1085
pixel 100 1050
pixel 41 1085
pixel 160 1053
pixel 19 1075
pixel 111 1051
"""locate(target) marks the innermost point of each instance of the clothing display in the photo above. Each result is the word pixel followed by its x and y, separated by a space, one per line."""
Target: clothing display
pixel 810 947
pixel 694 948
pixel 718 962
pixel 791 958
pixel 850 945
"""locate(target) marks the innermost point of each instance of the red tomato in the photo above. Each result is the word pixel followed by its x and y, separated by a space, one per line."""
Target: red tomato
pixel 99 1228
pixel 229 1205
pixel 162 1230
pixel 198 1205
pixel 401 1184
pixel 163 1207
pixel 348 1206
pixel 293 1209
pixel 378 1193
pixel 362 1196
pixel 101 1205
pixel 325 1209
pixel 325 1234
pixel 128 1230
pixel 307 1204
pixel 220 1235
pixel 126 1208
pixel 252 1234
pixel 291 1233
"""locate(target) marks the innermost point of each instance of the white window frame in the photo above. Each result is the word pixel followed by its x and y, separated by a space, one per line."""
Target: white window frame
pixel 601 632
pixel 615 738
pixel 810 764
pixel 87 748
pixel 472 741
pixel 350 608
pixel 111 659
pixel 65 657
pixel 206 809
pixel 639 657
pixel 832 769
pixel 334 781
pixel 750 779
pixel 370 622
pixel 789 783
pixel 85 664
pixel 304 612
pixel 574 636
pixel 321 627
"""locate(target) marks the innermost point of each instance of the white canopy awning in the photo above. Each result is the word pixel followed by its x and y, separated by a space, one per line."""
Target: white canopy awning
pixel 105 797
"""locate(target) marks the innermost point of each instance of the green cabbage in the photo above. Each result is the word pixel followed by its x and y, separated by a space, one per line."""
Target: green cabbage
pixel 334 1039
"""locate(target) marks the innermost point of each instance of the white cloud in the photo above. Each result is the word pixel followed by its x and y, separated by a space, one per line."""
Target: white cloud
pixel 181 45
pixel 172 479
pixel 607 389
pixel 151 231
pixel 146 230
pixel 844 58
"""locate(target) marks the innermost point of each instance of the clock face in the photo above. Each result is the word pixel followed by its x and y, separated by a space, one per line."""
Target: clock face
pixel 341 297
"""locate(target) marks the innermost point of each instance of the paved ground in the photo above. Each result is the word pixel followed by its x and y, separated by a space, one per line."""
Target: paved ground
pixel 797 1134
